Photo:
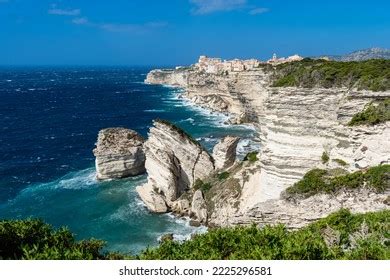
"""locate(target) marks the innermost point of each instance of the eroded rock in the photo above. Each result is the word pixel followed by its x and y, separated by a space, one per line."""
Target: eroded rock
pixel 119 153
pixel 224 153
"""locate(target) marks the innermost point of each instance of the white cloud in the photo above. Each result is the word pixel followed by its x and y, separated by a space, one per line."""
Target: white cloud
pixel 80 21
pixel 120 27
pixel 63 12
pixel 258 11
pixel 203 7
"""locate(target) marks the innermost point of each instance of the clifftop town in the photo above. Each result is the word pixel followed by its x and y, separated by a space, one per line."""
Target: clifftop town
pixel 217 65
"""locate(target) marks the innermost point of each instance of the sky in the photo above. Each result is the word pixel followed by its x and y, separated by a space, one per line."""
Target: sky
pixel 176 32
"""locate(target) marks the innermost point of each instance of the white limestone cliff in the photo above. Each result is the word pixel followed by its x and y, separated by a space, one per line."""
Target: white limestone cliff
pixel 224 153
pixel 296 126
pixel 173 162
pixel 119 153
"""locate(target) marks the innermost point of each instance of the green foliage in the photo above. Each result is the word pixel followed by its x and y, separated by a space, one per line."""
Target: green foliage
pixel 251 156
pixel 370 74
pixel 318 180
pixel 203 186
pixel 276 242
pixel 224 175
pixel 341 235
pixel 340 162
pixel 372 114
pixel 325 157
pixel 32 239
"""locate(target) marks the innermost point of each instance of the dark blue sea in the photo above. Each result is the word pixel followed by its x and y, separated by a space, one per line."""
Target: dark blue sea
pixel 49 121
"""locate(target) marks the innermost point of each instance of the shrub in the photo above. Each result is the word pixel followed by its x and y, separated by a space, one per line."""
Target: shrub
pixel 324 157
pixel 371 74
pixel 251 156
pixel 200 185
pixel 340 162
pixel 223 175
pixel 372 114
pixel 341 235
pixel 318 180
pixel 34 239
pixel 276 242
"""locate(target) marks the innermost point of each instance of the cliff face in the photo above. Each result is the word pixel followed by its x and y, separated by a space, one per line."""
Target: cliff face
pixel 296 125
pixel 173 163
pixel 119 153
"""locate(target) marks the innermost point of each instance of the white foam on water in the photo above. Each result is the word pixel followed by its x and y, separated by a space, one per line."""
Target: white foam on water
pixel 154 111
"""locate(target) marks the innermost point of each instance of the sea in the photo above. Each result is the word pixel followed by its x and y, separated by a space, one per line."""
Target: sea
pixel 49 121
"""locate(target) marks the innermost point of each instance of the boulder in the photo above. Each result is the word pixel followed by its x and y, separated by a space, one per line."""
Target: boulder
pixel 154 201
pixel 199 207
pixel 224 153
pixel 119 153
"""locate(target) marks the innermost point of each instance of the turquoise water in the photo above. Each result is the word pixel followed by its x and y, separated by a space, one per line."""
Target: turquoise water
pixel 50 118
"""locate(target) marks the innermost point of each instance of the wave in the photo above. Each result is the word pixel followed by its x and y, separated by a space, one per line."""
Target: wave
pixel 154 111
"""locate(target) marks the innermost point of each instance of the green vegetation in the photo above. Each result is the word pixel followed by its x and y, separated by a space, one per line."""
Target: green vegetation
pixel 318 180
pixel 32 239
pixel 325 157
pixel 308 73
pixel 200 185
pixel 372 114
pixel 340 162
pixel 224 175
pixel 339 236
pixel 251 156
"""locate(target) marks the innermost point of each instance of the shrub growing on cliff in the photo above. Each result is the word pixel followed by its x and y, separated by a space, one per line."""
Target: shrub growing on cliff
pixel 372 114
pixel 335 237
pixel 224 175
pixel 251 156
pixel 203 186
pixel 318 180
pixel 324 157
pixel 340 162
pixel 370 74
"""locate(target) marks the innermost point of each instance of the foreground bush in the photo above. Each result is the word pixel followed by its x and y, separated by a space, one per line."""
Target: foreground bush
pixel 341 235
pixel 33 239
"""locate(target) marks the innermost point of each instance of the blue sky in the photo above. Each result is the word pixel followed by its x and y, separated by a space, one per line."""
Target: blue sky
pixel 176 32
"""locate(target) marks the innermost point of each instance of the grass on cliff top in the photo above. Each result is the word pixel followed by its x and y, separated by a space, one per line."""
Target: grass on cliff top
pixel 308 73
pixel 341 235
pixel 321 181
pixel 372 114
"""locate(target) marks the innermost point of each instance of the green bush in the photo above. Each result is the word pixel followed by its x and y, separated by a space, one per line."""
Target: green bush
pixel 222 176
pixel 318 180
pixel 370 74
pixel 33 239
pixel 372 114
pixel 200 185
pixel 251 156
pixel 340 162
pixel 341 235
pixel 336 237
pixel 324 157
